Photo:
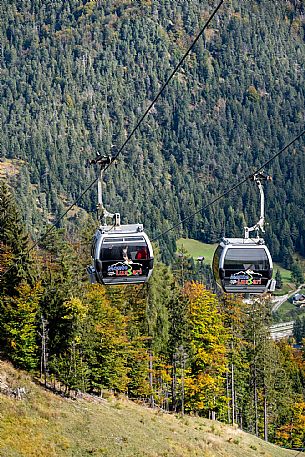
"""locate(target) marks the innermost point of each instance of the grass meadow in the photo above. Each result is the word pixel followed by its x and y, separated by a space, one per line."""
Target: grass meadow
pixel 43 424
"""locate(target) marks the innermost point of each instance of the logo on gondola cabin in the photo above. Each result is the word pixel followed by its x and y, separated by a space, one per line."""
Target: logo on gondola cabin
pixel 246 278
pixel 124 269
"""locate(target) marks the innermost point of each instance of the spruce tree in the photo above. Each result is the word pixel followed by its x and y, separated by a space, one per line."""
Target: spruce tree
pixel 278 278
pixel 298 330
pixel 14 247
pixel 297 275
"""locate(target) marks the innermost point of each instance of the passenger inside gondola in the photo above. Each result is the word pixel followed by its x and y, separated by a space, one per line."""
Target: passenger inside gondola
pixel 123 252
pixel 142 253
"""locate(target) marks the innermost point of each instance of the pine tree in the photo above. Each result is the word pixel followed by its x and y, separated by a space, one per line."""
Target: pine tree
pixel 183 266
pixel 298 330
pixel 159 295
pixel 278 278
pixel 14 245
pixel 297 275
pixel 60 275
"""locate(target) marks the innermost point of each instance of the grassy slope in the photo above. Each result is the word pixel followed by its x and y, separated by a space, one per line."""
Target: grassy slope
pixel 197 249
pixel 43 424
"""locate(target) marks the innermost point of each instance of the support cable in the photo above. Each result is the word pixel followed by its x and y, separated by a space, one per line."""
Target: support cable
pixel 300 451
pixel 231 189
pixel 216 199
pixel 141 119
pixel 215 11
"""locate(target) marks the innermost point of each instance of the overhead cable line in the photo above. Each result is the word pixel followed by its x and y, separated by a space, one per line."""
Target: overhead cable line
pixel 141 119
pixel 231 189
pixel 300 451
pixel 169 79
pixel 138 123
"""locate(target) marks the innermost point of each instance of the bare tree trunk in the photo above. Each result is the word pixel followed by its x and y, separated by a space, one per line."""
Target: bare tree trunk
pixel 255 399
pixel 255 403
pixel 174 384
pixel 44 354
pixel 227 393
pixel 233 393
pixel 183 357
pixel 152 401
pixel 265 415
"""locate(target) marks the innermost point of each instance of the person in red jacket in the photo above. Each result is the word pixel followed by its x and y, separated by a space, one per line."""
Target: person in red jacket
pixel 142 254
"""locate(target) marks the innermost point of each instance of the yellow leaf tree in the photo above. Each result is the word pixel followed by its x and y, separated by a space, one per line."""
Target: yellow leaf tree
pixel 207 364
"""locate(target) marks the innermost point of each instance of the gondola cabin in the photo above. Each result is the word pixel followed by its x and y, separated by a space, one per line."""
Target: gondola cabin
pixel 121 255
pixel 243 265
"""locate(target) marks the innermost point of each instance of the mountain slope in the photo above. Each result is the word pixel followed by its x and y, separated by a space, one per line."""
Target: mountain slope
pixel 76 76
pixel 42 423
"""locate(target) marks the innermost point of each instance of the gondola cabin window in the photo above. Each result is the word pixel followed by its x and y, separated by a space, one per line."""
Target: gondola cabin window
pixel 246 259
pixel 129 249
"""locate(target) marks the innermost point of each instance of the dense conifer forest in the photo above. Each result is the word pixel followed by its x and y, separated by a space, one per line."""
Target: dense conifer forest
pixel 171 343
pixel 75 78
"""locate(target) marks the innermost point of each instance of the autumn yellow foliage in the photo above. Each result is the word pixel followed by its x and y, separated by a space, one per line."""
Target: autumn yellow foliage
pixel 204 379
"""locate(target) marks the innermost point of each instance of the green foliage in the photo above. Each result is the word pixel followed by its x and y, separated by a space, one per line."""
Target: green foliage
pixel 70 370
pixel 106 347
pixel 183 266
pixel 253 94
pixel 81 92
pixel 290 430
pixel 180 349
pixel 16 266
pixel 278 278
pixel 159 296
pixel 299 329
pixel 76 76
pixel 61 273
pixel 18 323
pixel 297 275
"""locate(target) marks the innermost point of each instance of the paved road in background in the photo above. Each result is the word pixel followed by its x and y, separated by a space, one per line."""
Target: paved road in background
pixel 278 301
pixel 284 329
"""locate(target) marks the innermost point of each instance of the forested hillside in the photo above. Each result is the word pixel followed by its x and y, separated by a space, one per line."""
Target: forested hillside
pixel 76 75
pixel 75 78
pixel 171 343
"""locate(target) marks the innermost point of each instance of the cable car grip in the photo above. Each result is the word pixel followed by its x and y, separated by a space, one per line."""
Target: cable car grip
pixel 259 226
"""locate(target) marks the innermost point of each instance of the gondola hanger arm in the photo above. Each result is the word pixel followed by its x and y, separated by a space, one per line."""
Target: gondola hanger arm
pixel 104 162
pixel 259 226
